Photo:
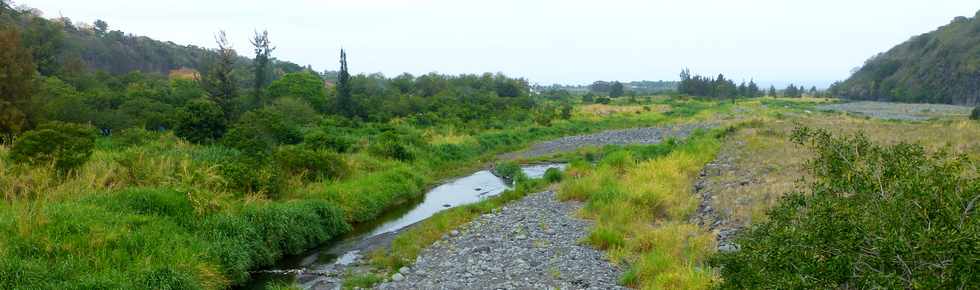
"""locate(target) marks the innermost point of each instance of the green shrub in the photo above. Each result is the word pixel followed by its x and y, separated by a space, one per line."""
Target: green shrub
pixel 259 132
pixel 889 217
pixel 321 140
pixel 314 164
pixel 201 121
pixel 393 145
pixel 552 175
pixel 135 136
pixel 975 115
pixel 248 175
pixel 508 170
pixel 603 100
pixel 66 145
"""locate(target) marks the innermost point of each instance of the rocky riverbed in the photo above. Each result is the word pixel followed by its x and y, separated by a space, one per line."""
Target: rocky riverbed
pixel 533 243
pixel 899 111
pixel 649 135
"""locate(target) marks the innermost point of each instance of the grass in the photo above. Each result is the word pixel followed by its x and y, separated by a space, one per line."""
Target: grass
pixel 641 204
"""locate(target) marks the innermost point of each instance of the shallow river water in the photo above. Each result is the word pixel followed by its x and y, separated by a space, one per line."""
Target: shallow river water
pixel 453 193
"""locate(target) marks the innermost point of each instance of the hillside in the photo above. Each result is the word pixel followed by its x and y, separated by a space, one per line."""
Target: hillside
pixel 942 66
pixel 61 46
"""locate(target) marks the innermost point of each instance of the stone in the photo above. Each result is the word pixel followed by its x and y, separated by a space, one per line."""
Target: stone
pixel 398 277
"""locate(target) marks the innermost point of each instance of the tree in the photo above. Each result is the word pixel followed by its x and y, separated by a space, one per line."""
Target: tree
pixel 45 40
pixel 975 115
pixel 263 51
pixel 616 89
pixel 101 27
pixel 220 82
pixel 753 89
pixel 16 84
pixel 303 85
pixel 345 102
pixel 201 121
pixel 772 91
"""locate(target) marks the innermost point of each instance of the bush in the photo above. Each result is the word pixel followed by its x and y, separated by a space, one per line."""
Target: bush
pixel 552 175
pixel 135 136
pixel 603 100
pixel 320 140
pixel 393 145
pixel 66 145
pixel 247 175
pixel 508 170
pixel 201 121
pixel 258 132
pixel 313 164
pixel 875 217
pixel 975 115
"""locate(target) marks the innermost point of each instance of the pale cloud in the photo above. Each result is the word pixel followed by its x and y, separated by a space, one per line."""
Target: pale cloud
pixel 547 41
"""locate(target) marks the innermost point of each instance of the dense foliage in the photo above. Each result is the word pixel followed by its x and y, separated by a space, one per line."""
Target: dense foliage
pixel 942 66
pixel 888 217
pixel 64 145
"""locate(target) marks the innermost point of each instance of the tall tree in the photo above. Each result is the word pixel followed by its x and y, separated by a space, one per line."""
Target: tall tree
pixel 220 82
pixel 772 91
pixel 345 102
pixel 101 27
pixel 616 89
pixel 753 89
pixel 16 83
pixel 263 51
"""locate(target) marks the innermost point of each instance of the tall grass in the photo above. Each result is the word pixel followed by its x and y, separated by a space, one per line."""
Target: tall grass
pixel 641 207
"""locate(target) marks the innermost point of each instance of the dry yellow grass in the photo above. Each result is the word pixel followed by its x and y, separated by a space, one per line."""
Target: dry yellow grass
pixel 765 164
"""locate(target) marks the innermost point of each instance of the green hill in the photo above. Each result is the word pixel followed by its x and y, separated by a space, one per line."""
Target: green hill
pixel 61 47
pixel 942 66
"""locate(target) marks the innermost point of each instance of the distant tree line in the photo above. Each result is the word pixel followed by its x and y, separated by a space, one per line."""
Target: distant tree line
pixel 231 93
pixel 722 88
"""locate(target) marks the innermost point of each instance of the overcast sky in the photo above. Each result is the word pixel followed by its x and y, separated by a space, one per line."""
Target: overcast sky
pixel 546 41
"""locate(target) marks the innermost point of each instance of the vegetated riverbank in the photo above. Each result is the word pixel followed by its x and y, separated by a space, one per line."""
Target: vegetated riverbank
pixel 111 214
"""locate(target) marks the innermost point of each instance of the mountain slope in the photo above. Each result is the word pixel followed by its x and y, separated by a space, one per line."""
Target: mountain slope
pixel 942 66
pixel 60 46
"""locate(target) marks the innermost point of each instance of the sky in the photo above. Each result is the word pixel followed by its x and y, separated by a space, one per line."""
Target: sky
pixel 545 41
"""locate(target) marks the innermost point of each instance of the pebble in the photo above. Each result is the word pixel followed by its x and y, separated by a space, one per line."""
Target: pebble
pixel 649 135
pixel 483 257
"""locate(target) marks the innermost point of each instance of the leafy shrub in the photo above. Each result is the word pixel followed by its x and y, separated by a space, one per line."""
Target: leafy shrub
pixel 314 164
pixel 552 175
pixel 322 140
pixel 975 115
pixel 248 175
pixel 258 132
pixel 392 145
pixel 603 100
pixel 66 145
pixel 134 136
pixel 201 121
pixel 876 217
pixel 508 170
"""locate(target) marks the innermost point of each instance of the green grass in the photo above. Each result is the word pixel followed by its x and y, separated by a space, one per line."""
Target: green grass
pixel 163 214
pixel 640 198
